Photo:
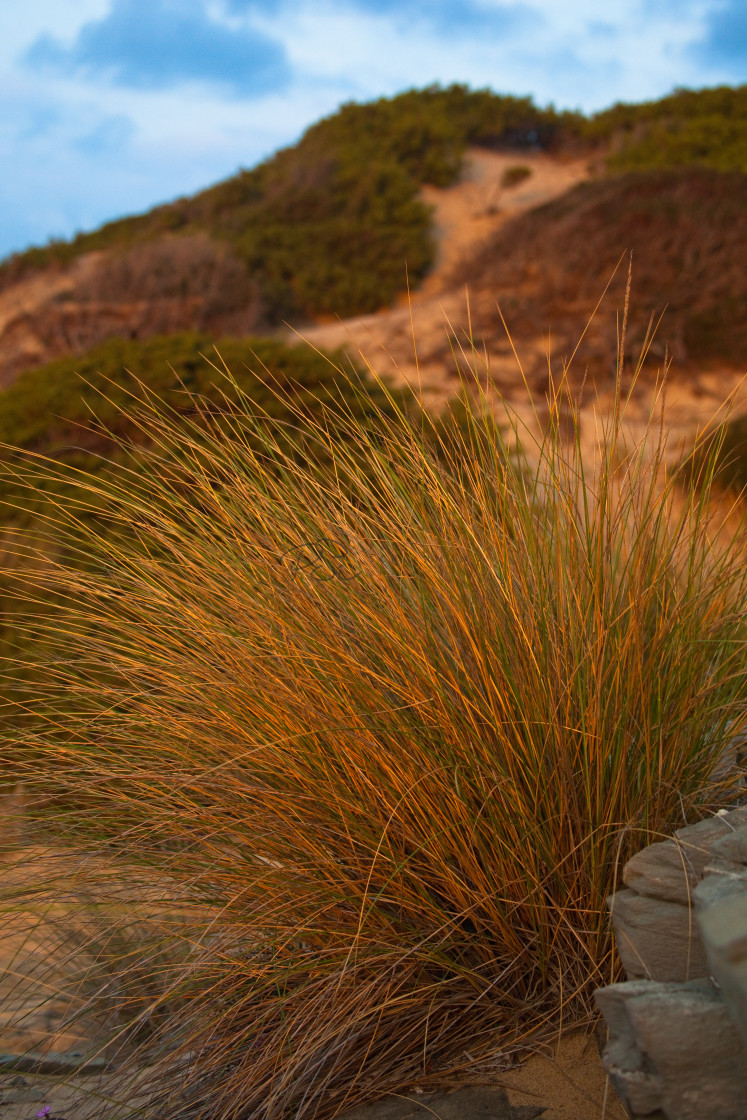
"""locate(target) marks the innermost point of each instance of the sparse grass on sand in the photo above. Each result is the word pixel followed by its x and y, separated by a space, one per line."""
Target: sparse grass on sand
pixel 396 786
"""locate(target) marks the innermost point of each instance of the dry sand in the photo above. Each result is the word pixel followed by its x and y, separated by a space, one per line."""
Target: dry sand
pixel 566 1083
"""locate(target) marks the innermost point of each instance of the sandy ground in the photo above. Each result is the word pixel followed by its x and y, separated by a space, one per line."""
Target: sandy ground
pixel 397 342
pixel 566 1083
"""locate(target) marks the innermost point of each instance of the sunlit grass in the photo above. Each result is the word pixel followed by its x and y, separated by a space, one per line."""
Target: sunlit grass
pixel 400 777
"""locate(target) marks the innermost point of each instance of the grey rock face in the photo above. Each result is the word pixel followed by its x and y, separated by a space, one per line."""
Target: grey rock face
pixel 719 883
pixel 656 933
pixel 674 1048
pixel 662 871
pixel 656 939
pixel 721 909
pixel 670 869
pixel 733 847
pixel 678 1026
pixel 698 839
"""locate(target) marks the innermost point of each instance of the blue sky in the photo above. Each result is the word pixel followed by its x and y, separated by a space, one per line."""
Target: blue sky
pixel 113 106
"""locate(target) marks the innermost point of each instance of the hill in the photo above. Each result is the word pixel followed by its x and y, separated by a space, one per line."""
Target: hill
pixel 324 228
pixel 545 267
pixel 687 231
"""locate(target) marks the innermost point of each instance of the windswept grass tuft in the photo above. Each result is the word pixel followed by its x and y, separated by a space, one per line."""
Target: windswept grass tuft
pixel 392 734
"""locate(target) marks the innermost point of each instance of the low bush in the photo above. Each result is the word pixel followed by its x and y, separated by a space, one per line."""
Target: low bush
pixel 706 127
pixel 728 445
pixel 514 175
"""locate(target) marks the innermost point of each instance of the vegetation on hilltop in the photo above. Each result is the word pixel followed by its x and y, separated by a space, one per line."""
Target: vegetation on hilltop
pixel 327 225
pixel 707 127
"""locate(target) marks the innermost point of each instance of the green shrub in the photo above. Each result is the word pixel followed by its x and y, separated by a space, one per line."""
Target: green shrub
pixel 728 444
pixel 706 127
pixel 514 175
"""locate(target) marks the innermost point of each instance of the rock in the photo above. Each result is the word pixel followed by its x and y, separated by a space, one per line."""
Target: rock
pixel 670 869
pixel 656 940
pixel 639 1087
pixel 732 847
pixel 662 871
pixel 722 916
pixel 674 1047
pixel 678 1027
pixel 698 839
pixel 718 884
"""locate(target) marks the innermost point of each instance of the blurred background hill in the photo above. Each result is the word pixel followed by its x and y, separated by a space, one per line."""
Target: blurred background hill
pixel 324 230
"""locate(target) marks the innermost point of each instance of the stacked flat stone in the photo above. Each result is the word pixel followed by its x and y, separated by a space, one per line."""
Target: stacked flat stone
pixel 678 1026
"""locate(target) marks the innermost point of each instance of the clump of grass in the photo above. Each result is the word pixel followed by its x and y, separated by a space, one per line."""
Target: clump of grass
pixel 401 781
pixel 515 174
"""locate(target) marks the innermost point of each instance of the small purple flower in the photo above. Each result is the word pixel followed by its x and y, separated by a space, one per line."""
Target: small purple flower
pixel 44 1112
